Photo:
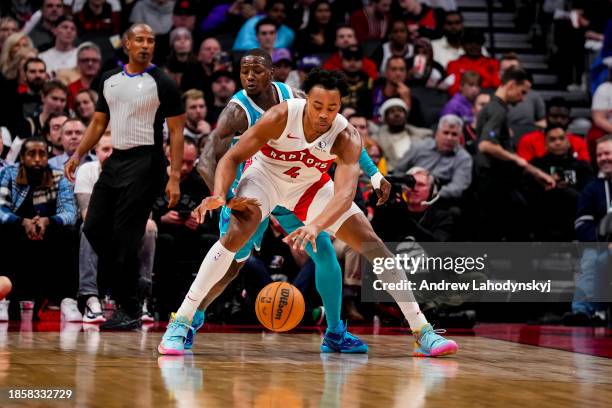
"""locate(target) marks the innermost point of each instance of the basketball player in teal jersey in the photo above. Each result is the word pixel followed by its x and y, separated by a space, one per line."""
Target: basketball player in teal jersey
pixel 243 111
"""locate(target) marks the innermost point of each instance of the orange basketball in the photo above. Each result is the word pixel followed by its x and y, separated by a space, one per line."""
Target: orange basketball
pixel 5 287
pixel 279 306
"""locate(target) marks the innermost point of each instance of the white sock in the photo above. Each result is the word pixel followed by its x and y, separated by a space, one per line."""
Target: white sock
pixel 214 266
pixel 405 299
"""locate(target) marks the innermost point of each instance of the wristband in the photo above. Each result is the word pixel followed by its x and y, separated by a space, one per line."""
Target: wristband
pixel 376 179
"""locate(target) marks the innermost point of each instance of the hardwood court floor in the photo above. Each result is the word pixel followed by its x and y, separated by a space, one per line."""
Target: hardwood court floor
pixel 262 369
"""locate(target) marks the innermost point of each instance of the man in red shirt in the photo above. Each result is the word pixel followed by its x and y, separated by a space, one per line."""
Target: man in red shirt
pixel 474 60
pixel 533 144
pixel 345 37
pixel 89 63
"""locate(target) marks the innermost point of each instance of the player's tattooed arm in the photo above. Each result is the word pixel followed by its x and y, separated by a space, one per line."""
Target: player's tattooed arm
pixel 232 120
pixel 270 126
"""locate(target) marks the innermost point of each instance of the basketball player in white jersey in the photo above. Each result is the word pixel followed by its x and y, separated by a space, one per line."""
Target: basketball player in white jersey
pixel 292 147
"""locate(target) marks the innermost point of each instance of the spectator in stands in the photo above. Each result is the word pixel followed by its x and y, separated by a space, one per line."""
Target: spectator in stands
pixel 283 64
pixel 428 20
pixel 462 103
pixel 54 95
pixel 37 214
pixel 35 78
pixel 470 138
pixel 533 144
pixel 182 241
pixel 276 11
pixel 42 33
pixel 593 206
pixel 345 36
pixel 21 11
pixel 448 48
pixel 87 297
pixel 529 114
pixel 89 62
pixel 397 45
pixel 85 105
pixel 184 14
pixel 396 136
pixel 53 134
pixel 422 70
pixel 371 21
pixel 8 26
pixel 99 18
pixel 553 211
pixel 359 94
pixel 196 127
pixel 409 213
pixel 443 157
pixel 318 36
pixel 223 88
pixel 223 18
pixel 473 60
pixel 8 63
pixel 181 57
pixel 156 13
pixel 71 133
pixel 265 32
pixel 392 85
pixel 360 122
pixel 63 55
pixel 197 75
pixel 498 168
pixel 601 109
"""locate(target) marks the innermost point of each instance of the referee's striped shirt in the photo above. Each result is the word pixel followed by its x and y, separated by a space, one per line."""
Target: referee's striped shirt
pixel 137 105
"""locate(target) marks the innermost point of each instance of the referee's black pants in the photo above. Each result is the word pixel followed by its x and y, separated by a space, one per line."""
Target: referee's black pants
pixel 119 207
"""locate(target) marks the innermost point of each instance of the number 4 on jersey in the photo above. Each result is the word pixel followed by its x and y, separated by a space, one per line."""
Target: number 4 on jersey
pixel 293 172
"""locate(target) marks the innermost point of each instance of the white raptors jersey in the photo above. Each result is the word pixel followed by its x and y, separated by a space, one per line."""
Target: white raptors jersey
pixel 291 157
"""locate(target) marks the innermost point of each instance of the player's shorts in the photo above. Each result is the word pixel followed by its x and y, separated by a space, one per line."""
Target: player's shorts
pixel 254 242
pixel 305 200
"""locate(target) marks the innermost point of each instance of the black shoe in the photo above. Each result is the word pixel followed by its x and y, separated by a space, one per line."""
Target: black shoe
pixel 120 320
pixel 576 319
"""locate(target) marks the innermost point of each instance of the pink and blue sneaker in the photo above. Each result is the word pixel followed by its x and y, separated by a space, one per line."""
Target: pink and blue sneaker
pixel 429 343
pixel 173 341
pixel 196 324
pixel 340 340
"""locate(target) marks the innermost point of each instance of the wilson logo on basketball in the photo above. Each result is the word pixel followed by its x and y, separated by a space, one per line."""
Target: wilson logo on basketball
pixel 284 301
pixel 303 156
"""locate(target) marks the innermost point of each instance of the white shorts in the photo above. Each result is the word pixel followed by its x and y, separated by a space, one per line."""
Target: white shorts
pixel 306 201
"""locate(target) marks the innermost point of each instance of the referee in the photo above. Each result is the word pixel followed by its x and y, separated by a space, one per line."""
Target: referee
pixel 135 99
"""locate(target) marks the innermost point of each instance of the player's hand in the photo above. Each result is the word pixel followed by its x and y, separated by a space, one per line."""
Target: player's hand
pixel 173 192
pixel 70 168
pixel 545 180
pixel 383 192
pixel 242 203
pixel 299 238
pixel 209 203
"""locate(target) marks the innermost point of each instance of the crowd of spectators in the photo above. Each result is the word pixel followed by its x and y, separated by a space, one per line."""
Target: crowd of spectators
pixel 491 160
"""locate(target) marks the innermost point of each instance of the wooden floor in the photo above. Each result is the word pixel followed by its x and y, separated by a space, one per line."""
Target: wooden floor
pixel 286 370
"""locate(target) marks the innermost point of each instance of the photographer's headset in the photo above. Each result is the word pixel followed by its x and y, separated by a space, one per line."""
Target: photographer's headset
pixel 433 190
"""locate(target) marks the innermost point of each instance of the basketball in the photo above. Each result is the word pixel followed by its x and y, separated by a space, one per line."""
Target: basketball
pixel 279 306
pixel 5 287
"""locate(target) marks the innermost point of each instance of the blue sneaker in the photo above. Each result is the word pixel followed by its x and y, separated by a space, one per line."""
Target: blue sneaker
pixel 429 343
pixel 196 324
pixel 341 341
pixel 173 342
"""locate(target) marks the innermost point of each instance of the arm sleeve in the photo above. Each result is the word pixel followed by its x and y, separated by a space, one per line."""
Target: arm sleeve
pixel 66 205
pixel 366 163
pixel 102 105
pixel 600 98
pixel 462 177
pixel 7 216
pixel 540 107
pixel 169 95
pixel 585 218
pixel 491 129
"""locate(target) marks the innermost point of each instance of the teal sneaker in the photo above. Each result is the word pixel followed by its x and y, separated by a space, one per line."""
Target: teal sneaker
pixel 341 341
pixel 429 343
pixel 196 324
pixel 173 342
